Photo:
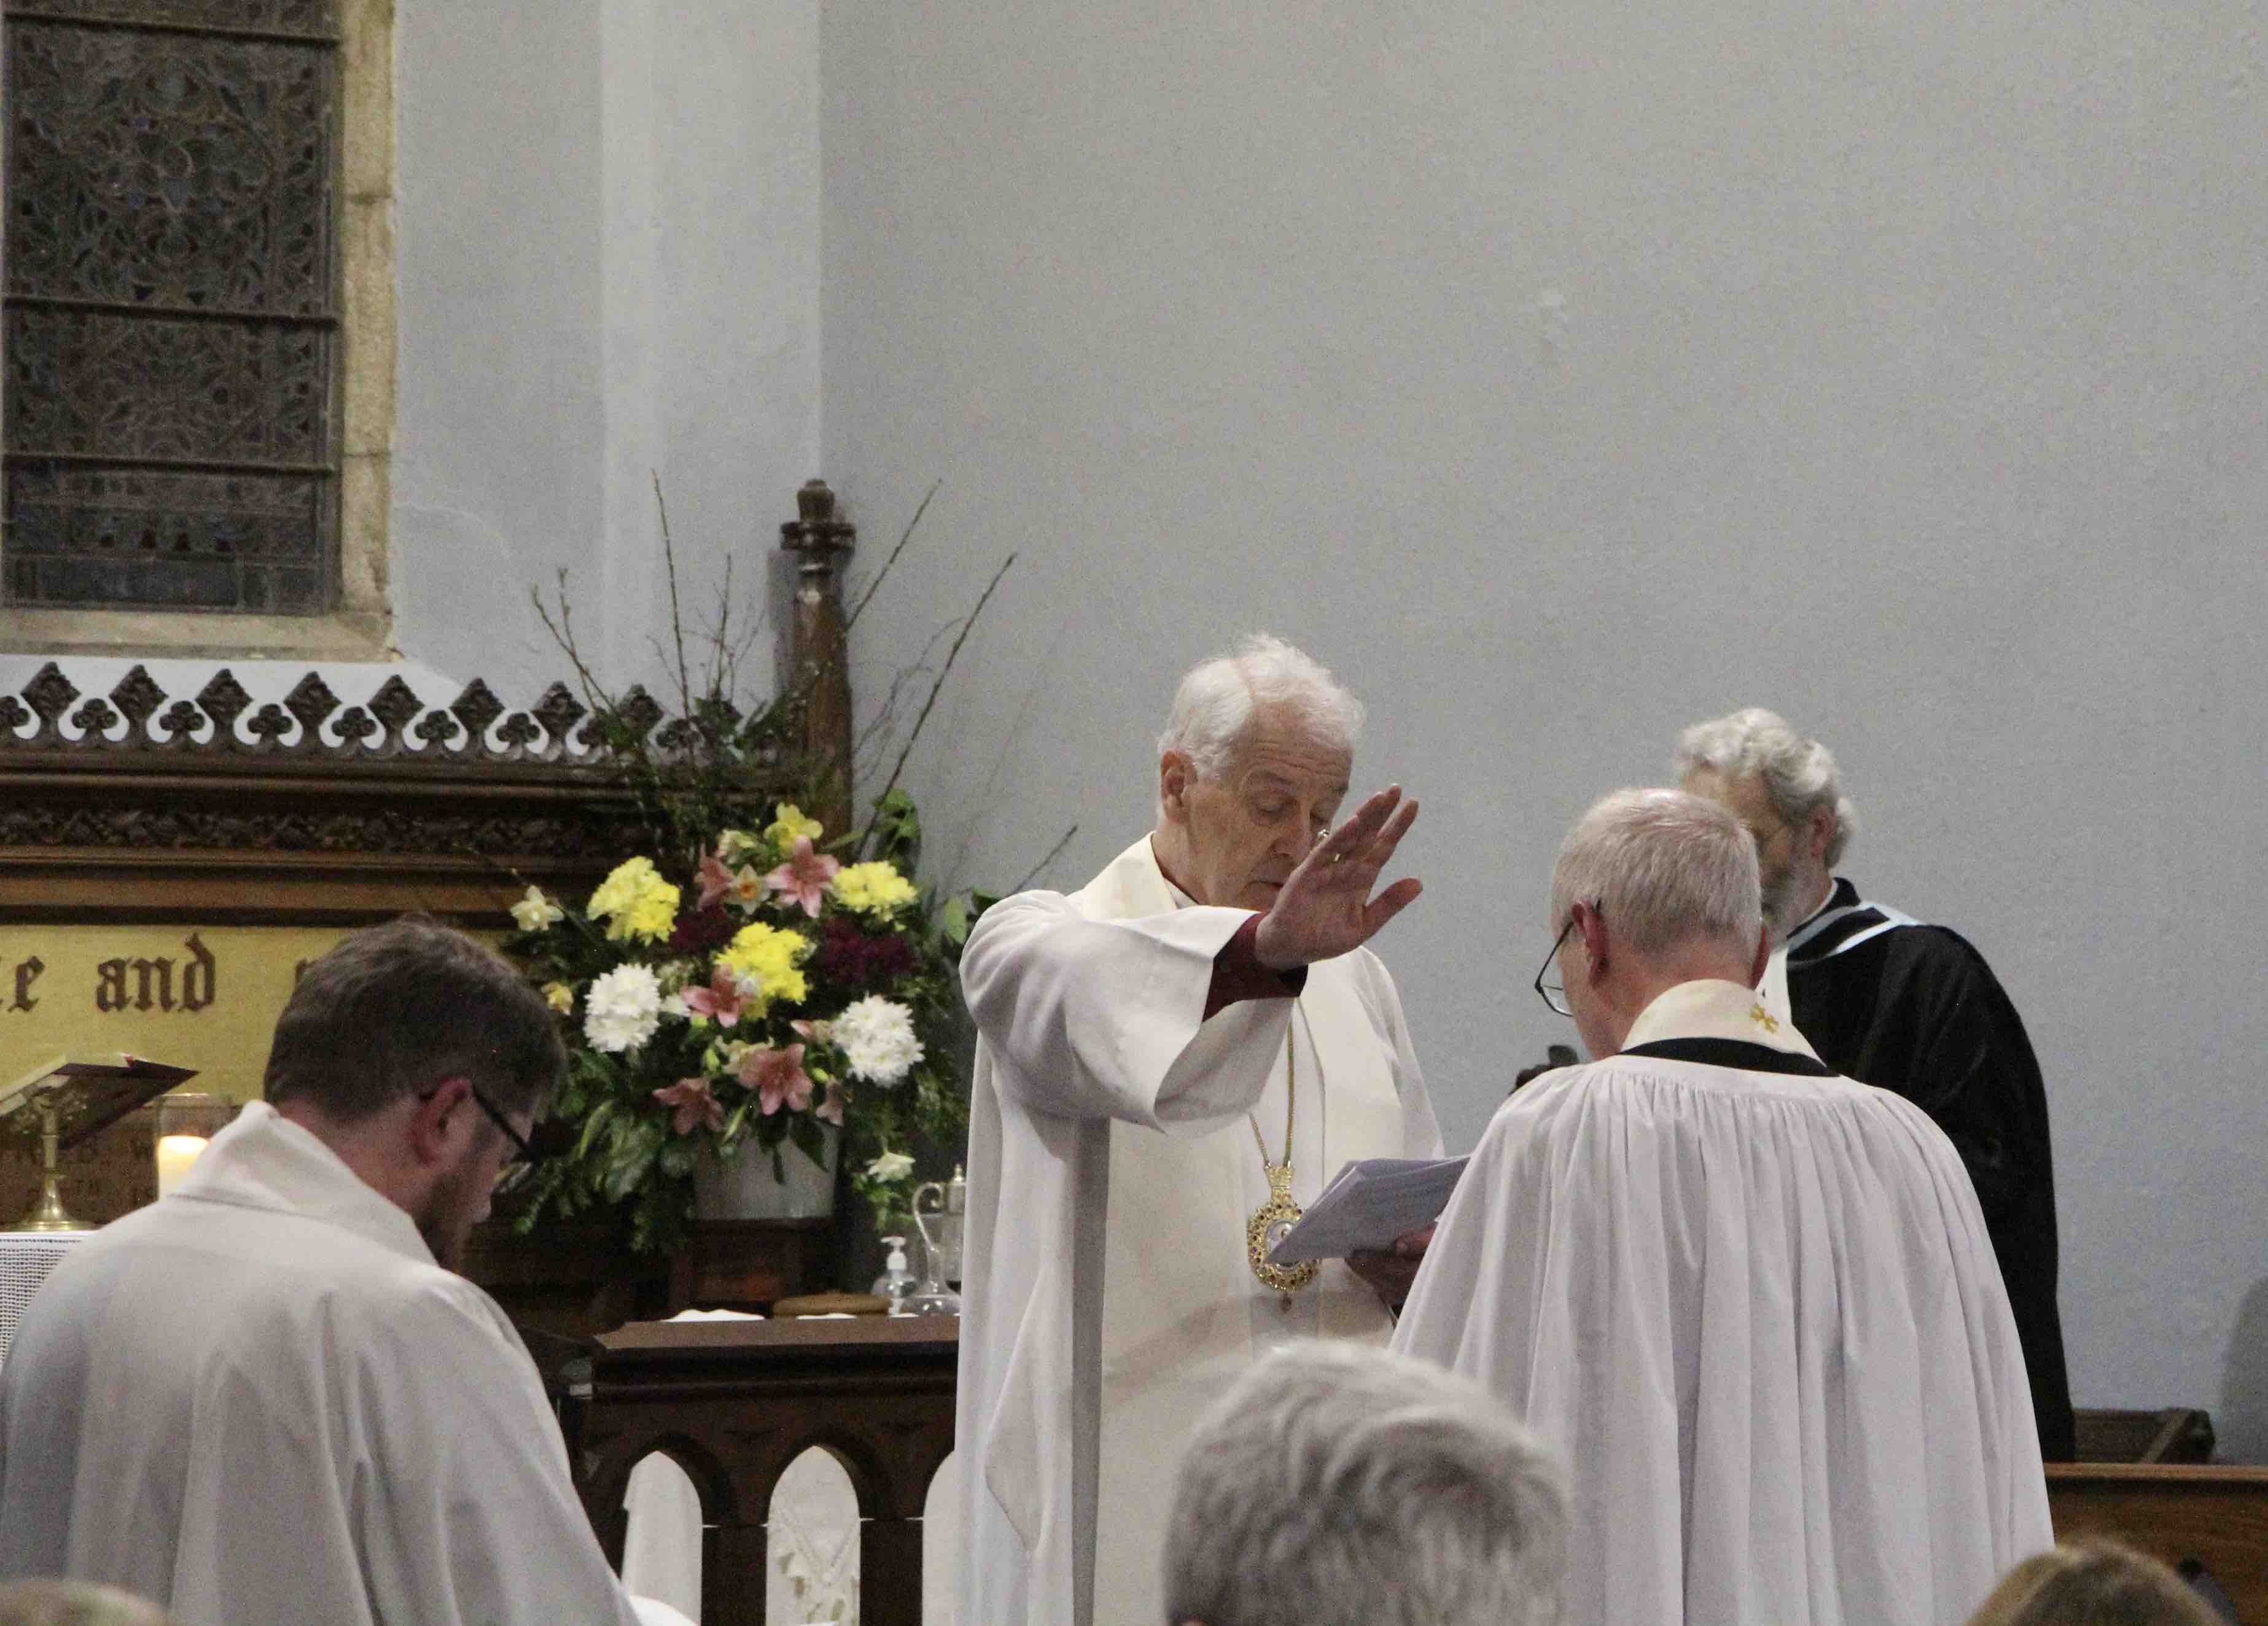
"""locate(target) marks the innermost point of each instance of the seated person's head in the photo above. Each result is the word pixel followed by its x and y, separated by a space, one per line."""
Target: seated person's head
pixel 2093 1583
pixel 73 1603
pixel 417 1056
pixel 1652 888
pixel 1339 1485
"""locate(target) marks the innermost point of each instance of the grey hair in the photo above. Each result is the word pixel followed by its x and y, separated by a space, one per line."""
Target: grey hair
pixel 1798 775
pixel 1218 696
pixel 1664 867
pixel 1336 1485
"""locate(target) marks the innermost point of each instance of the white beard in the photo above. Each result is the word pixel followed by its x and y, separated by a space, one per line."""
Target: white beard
pixel 1783 900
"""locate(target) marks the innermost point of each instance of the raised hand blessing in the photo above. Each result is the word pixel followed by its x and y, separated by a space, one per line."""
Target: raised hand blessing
pixel 1326 907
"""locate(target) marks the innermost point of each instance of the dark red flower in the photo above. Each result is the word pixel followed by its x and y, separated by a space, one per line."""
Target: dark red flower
pixel 851 957
pixel 702 930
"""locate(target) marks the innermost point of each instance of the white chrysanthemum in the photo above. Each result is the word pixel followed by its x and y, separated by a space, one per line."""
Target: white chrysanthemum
pixel 622 1009
pixel 876 1036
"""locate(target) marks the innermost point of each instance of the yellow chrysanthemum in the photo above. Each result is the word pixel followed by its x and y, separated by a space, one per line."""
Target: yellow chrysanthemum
pixel 635 902
pixel 790 823
pixel 875 888
pixel 770 954
pixel 559 996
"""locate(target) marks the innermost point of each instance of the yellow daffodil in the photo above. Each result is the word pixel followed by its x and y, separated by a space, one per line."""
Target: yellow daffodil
pixel 535 911
pixel 787 824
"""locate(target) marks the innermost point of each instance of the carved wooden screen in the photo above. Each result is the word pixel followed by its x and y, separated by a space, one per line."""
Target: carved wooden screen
pixel 172 421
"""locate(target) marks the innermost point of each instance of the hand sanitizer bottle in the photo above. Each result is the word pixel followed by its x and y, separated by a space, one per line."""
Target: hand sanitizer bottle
pixel 896 1282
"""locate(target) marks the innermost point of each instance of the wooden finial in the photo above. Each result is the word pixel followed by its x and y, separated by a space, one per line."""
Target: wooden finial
pixel 822 657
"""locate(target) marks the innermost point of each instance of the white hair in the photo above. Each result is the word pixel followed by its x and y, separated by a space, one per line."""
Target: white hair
pixel 1217 698
pixel 1336 1485
pixel 1664 868
pixel 1798 774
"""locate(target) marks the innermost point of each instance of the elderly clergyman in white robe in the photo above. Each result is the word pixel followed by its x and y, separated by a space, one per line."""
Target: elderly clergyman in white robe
pixel 1170 1062
pixel 1751 1303
pixel 268 1399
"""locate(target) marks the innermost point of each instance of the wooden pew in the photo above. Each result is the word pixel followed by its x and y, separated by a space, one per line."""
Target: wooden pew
pixel 2213 1515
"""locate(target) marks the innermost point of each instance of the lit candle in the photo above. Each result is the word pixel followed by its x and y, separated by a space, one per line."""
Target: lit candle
pixel 175 1153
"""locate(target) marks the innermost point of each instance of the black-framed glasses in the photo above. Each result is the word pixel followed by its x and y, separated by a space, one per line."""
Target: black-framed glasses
pixel 523 1150
pixel 528 1149
pixel 1554 994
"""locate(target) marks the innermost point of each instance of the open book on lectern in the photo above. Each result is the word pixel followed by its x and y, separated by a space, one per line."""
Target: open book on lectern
pixel 1367 1205
pixel 84 1094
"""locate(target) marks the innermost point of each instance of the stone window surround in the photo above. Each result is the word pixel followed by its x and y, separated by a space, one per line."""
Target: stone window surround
pixel 361 627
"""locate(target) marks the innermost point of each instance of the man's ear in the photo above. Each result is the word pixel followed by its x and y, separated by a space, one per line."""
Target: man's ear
pixel 1177 773
pixel 1819 831
pixel 1763 956
pixel 1591 927
pixel 440 1117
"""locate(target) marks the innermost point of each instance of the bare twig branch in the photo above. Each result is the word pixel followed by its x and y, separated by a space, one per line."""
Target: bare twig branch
pixel 1054 853
pixel 676 619
pixel 875 585
pixel 886 715
pixel 952 655
pixel 563 634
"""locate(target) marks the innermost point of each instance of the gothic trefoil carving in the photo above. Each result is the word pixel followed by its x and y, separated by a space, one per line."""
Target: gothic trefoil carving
pixel 395 723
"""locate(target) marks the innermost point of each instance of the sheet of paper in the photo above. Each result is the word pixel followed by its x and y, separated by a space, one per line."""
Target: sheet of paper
pixel 1368 1205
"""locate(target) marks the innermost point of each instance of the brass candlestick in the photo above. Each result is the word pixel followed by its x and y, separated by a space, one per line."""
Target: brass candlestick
pixel 48 1213
pixel 68 1099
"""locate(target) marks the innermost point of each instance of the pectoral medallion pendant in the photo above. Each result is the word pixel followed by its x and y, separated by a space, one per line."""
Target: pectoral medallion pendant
pixel 1268 1223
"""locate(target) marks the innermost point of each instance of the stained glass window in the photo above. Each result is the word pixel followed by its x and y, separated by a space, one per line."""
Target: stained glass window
pixel 171 389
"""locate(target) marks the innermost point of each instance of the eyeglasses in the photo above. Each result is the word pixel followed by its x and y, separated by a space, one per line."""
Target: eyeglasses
pixel 523 1151
pixel 1555 994
pixel 528 1149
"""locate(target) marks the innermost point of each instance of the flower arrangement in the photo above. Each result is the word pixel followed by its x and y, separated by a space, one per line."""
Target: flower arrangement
pixel 784 995
pixel 755 981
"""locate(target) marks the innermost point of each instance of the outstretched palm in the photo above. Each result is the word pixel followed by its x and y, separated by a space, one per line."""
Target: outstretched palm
pixel 1325 908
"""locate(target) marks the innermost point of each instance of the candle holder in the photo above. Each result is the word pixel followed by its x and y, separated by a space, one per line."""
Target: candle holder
pixel 186 1122
pixel 60 1103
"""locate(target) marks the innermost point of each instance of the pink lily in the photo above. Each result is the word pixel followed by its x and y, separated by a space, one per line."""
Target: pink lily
pixel 830 1108
pixel 804 877
pixel 716 880
pixel 695 1104
pixel 721 1000
pixel 777 1077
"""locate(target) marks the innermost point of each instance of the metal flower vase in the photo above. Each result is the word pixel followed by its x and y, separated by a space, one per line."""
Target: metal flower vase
pixel 746 1186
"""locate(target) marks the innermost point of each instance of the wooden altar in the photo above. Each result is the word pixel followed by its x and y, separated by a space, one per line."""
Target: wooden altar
pixel 735 1404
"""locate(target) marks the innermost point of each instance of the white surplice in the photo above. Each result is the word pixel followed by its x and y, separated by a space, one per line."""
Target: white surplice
pixel 261 1402
pixel 1112 1169
pixel 1757 1314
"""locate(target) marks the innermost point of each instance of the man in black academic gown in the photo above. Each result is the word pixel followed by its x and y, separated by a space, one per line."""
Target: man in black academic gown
pixel 1912 1008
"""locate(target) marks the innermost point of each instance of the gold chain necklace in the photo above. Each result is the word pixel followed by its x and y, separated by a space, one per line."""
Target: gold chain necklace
pixel 1277 1215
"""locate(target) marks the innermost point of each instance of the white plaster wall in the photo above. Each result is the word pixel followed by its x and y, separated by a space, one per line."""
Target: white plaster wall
pixel 1564 375
pixel 609 269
